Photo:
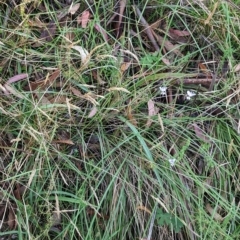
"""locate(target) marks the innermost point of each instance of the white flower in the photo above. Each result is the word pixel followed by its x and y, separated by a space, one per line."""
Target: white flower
pixel 190 94
pixel 172 161
pixel 163 90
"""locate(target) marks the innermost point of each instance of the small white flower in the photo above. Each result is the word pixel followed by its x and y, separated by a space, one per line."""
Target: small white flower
pixel 163 90
pixel 190 94
pixel 172 161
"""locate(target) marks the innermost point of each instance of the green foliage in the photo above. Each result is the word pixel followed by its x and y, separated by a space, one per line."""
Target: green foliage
pixel 150 60
pixel 169 220
pixel 83 152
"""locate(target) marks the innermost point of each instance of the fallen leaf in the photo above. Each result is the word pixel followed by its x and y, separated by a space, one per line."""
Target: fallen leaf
pixel 11 218
pixel 2 211
pixel 236 68
pixel 121 11
pixel 58 99
pixel 14 92
pixel 166 61
pixel 49 32
pixel 56 218
pixel 205 70
pixel 45 83
pixel 167 44
pixel 214 213
pixel 92 112
pixel 84 54
pixel 64 141
pixel 199 133
pixel 143 208
pixel 87 96
pixel 152 111
pixel 102 31
pixel 178 33
pixel 19 191
pixel 76 92
pixel 129 114
pixel 124 66
pixel 36 22
pixel 130 53
pixel 70 36
pixel 17 78
pixel 73 8
pixel 84 19
pixel 97 77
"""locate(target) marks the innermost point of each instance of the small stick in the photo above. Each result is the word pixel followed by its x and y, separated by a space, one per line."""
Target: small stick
pixel 206 81
pixel 147 28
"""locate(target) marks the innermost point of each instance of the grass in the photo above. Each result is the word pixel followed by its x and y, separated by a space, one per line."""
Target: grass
pixel 91 149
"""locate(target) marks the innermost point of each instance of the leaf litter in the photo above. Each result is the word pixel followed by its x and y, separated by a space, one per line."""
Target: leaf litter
pixel 56 87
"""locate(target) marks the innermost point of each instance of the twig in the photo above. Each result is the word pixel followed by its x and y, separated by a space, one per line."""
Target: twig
pixel 147 28
pixel 205 81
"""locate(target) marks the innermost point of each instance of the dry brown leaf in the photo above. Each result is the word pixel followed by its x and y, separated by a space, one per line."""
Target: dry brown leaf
pixel 213 212
pixel 165 61
pixel 44 83
pixel 87 96
pixel 179 33
pixel 19 191
pixel 143 208
pixel 167 44
pixel 121 12
pixel 36 22
pixel 97 77
pixel 73 8
pixel 76 92
pixel 102 31
pixel 2 210
pixel 129 114
pixel 56 218
pixel 70 36
pixel 92 112
pixel 84 54
pixel 202 67
pixel 152 111
pixel 125 66
pixel 64 141
pixel 43 100
pixel 49 32
pixel 11 219
pixel 17 78
pixel 236 68
pixel 5 91
pixel 58 99
pixel 199 133
pixel 84 19
pixel 10 89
